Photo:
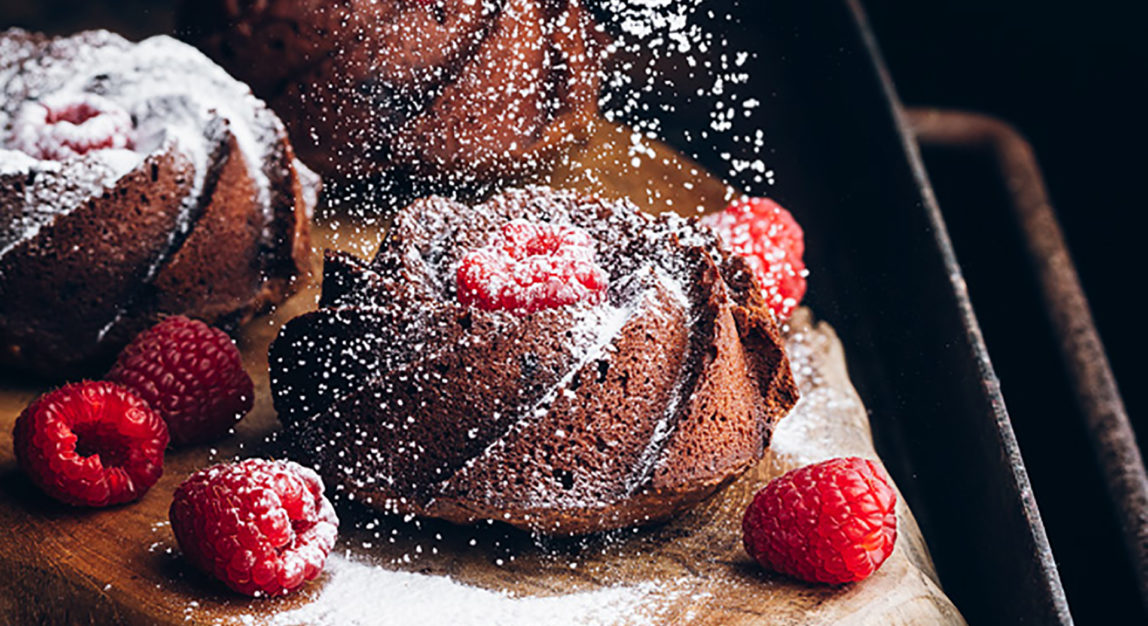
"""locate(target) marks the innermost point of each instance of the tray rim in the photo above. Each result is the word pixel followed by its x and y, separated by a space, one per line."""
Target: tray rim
pixel 1097 395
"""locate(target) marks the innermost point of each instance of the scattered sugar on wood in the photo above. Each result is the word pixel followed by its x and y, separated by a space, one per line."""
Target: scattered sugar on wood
pixel 359 592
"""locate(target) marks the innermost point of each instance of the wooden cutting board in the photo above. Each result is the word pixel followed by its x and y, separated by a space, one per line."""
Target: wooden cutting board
pixel 121 565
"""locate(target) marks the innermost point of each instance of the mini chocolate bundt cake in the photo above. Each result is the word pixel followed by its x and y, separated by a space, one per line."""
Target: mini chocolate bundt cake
pixel 559 362
pixel 458 90
pixel 136 180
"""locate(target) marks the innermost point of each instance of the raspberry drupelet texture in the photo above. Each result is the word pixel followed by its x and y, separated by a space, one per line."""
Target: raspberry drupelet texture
pixel 191 374
pixel 91 444
pixel 531 266
pixel 831 522
pixel 262 527
pixel 773 244
pixel 61 127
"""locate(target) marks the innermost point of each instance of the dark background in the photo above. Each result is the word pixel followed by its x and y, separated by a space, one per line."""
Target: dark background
pixel 1070 77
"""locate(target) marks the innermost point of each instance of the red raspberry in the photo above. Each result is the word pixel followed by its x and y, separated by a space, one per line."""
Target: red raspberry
pixel 772 242
pixel 831 522
pixel 191 374
pixel 262 527
pixel 59 128
pixel 530 266
pixel 91 444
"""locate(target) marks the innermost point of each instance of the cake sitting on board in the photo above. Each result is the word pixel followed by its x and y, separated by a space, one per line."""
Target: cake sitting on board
pixel 616 370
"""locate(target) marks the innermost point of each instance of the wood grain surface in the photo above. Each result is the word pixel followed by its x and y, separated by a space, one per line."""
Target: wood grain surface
pixel 121 565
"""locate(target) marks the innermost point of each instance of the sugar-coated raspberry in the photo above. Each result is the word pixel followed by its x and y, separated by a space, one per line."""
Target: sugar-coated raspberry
pixel 831 522
pixel 191 374
pixel 530 266
pixel 772 242
pixel 262 527
pixel 91 444
pixel 59 127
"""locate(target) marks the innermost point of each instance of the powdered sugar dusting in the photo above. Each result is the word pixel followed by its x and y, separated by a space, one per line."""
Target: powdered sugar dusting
pixel 674 55
pixel 50 185
pixel 394 569
pixel 824 423
pixel 591 335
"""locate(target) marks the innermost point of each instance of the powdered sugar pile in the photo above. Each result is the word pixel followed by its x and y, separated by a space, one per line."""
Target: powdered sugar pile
pixel 359 592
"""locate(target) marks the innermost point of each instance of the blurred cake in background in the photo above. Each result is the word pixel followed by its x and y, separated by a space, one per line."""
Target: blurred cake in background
pixel 136 180
pixel 552 360
pixel 456 91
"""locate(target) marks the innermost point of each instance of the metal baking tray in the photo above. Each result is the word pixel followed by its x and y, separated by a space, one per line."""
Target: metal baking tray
pixel 1070 419
pixel 883 272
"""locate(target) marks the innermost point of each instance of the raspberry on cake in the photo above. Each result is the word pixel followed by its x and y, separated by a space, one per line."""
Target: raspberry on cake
pixel 529 267
pixel 607 410
pixel 137 180
pixel 191 374
pixel 772 243
pixel 63 126
pixel 831 522
pixel 262 527
pixel 91 444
